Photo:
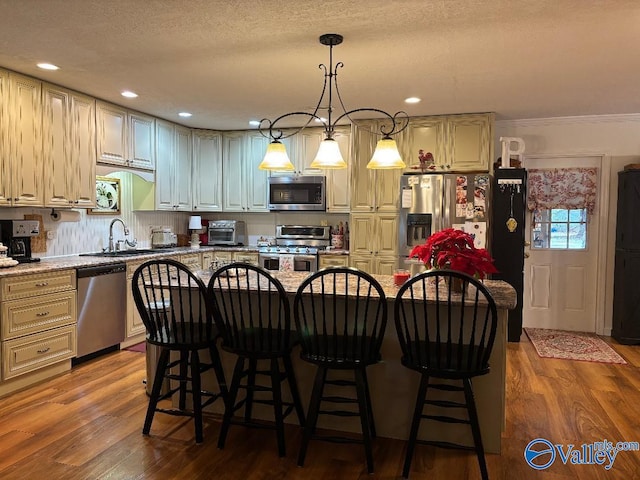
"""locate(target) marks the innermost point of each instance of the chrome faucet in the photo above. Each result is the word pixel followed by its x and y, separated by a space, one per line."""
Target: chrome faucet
pixel 126 232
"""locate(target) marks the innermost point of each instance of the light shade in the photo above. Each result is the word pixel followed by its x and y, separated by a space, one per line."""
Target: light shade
pixel 328 156
pixel 276 158
pixel 195 222
pixel 386 155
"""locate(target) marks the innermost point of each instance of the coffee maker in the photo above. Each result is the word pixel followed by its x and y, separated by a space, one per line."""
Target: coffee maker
pixel 16 234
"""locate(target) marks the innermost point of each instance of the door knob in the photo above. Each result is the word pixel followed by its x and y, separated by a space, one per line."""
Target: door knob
pixel 527 244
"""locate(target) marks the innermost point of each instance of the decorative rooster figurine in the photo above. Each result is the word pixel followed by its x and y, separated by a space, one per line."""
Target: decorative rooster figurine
pixel 426 160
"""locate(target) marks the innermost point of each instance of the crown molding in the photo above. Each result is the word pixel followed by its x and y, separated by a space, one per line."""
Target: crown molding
pixel 533 122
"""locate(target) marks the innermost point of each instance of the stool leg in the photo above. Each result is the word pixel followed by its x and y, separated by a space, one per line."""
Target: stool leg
pixel 312 417
pixel 372 424
pixel 415 424
pixel 230 404
pixel 475 427
pixel 293 387
pixel 161 366
pixel 251 383
pixel 277 405
pixel 196 391
pixel 217 368
pixel 361 391
pixel 184 369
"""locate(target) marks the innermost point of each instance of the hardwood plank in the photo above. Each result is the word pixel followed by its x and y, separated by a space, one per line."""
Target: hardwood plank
pixel 87 424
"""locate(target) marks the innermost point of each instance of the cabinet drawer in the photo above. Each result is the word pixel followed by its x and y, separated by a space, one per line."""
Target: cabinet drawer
pixel 24 286
pixel 221 256
pixel 26 354
pixel 22 317
pixel 333 261
pixel 193 261
pixel 251 258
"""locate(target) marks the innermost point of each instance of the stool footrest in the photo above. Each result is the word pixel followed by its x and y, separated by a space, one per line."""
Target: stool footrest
pixel 444 418
pixel 335 439
pixel 446 403
pixel 450 445
pixel 339 413
pixel 341 383
pixel 447 387
pixel 335 399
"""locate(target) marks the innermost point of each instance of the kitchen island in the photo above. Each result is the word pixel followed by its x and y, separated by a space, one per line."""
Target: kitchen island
pixel 394 387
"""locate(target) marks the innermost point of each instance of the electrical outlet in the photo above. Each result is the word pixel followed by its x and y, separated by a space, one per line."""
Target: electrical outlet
pixel 51 234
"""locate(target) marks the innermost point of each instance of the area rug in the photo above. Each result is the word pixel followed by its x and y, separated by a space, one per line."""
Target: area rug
pixel 572 346
pixel 138 347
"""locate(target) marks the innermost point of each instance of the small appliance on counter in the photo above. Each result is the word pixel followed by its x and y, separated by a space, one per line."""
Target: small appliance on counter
pixel 227 232
pixel 163 238
pixel 16 235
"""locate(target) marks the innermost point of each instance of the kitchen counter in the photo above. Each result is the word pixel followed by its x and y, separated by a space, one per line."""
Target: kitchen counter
pixel 394 387
pixel 48 264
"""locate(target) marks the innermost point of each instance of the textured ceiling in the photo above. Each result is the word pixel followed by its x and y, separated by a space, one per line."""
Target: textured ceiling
pixel 231 61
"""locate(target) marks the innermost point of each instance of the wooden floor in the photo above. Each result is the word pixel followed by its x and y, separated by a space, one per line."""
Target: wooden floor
pixel 87 425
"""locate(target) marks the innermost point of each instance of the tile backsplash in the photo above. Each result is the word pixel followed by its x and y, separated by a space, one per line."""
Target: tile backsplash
pixel 90 233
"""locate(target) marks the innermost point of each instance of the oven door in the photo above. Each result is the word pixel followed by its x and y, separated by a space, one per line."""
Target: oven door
pixel 269 261
pixel 305 263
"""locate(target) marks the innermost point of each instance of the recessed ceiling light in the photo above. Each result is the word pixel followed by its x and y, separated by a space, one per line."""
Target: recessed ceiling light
pixel 48 66
pixel 254 123
pixel 185 114
pixel 412 100
pixel 129 94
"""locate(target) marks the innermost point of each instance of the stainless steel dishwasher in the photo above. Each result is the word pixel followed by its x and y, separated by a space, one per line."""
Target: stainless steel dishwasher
pixel 102 298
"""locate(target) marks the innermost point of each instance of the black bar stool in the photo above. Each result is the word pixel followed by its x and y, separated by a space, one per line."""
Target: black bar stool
pixel 172 303
pixel 441 340
pixel 252 312
pixel 341 315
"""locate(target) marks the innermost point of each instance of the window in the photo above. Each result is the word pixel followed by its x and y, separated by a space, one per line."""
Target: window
pixel 560 228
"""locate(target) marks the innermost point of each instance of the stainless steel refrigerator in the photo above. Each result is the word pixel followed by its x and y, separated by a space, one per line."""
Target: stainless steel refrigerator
pixel 434 201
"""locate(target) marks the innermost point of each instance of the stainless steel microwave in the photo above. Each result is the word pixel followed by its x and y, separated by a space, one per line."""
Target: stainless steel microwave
pixel 304 192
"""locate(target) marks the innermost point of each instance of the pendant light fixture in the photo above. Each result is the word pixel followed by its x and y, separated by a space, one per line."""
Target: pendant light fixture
pixel 386 154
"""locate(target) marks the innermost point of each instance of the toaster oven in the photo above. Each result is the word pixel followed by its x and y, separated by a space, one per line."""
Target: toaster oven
pixel 226 232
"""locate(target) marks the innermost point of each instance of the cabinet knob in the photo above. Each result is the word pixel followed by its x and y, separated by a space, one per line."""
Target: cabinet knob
pixel 16 199
pixel 526 255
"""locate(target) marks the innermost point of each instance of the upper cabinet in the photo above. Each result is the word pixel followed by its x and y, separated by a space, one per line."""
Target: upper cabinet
pixel 338 180
pixel 68 148
pixel 207 171
pixel 372 191
pixel 458 143
pixel 245 186
pixel 22 173
pixel 173 169
pixel 124 137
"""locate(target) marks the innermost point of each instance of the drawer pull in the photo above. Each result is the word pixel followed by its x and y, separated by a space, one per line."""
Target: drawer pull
pixel 42 314
pixel 44 350
pixel 43 284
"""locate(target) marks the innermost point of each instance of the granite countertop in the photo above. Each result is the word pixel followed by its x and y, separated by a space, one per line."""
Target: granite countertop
pixel 49 264
pixel 333 252
pixel 503 293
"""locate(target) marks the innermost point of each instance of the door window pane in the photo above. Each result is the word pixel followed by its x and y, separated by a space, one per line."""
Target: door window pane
pixel 560 229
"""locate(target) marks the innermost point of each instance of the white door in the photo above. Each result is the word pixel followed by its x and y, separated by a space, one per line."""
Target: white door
pixel 561 280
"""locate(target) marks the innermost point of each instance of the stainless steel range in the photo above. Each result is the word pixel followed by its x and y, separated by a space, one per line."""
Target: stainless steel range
pixel 296 248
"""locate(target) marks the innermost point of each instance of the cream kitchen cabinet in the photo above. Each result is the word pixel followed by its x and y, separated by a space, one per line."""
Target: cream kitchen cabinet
pixel 245 186
pixel 246 257
pixel 373 191
pixel 21 167
pixel 135 328
pixel 223 257
pixel 69 148
pixel 207 171
pixel 338 181
pixel 328 260
pixel 374 242
pixel 173 168
pixel 459 143
pixel 124 137
pixel 192 260
pixel 38 326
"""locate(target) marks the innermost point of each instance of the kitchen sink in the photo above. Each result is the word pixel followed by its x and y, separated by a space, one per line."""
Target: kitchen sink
pixel 121 253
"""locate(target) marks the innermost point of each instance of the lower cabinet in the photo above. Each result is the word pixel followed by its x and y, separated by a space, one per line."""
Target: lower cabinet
pixel 38 315
pixel 374 242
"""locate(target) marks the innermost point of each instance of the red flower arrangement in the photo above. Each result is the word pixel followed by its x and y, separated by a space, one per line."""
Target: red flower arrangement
pixel 454 250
